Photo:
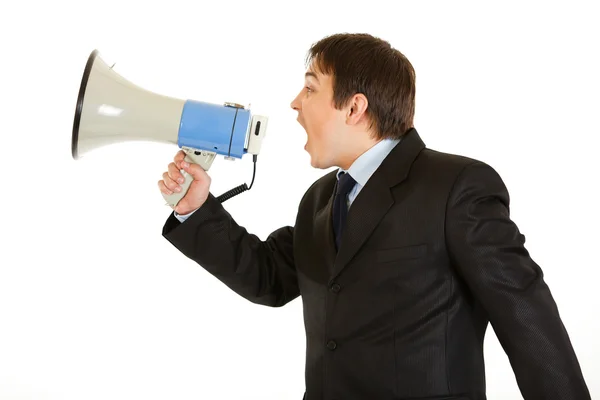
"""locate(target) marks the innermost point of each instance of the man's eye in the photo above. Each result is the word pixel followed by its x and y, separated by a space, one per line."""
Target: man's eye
pixel 308 89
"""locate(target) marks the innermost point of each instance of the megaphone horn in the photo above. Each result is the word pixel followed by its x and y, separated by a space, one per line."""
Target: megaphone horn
pixel 110 109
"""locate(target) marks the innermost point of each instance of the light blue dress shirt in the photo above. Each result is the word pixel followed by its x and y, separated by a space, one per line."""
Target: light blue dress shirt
pixel 365 165
pixel 361 170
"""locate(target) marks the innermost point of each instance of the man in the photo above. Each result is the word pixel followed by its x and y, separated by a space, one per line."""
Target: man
pixel 401 256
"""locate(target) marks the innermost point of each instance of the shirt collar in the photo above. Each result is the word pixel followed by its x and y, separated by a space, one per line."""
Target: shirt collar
pixel 368 162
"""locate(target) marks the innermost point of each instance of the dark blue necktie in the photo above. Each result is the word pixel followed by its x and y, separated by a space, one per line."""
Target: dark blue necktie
pixel 340 205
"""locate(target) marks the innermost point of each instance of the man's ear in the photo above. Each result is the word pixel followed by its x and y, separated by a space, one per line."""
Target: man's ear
pixel 357 109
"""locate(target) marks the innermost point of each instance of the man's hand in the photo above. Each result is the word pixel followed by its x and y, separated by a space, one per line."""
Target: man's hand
pixel 199 188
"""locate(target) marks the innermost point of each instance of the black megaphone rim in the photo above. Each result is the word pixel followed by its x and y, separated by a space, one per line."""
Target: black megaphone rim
pixel 79 106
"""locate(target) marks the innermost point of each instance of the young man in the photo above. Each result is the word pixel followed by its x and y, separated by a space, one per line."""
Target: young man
pixel 402 256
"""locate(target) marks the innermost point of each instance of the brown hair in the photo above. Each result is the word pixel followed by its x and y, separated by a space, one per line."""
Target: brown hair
pixel 361 63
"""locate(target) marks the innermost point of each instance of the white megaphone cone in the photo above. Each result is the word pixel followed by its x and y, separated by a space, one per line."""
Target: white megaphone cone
pixel 110 110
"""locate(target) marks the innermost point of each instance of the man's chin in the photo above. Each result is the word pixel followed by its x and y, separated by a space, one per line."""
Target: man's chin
pixel 313 162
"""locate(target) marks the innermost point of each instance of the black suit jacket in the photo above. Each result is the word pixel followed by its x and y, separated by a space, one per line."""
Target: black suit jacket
pixel 429 257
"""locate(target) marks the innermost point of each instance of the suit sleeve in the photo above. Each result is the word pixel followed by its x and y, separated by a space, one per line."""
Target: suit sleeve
pixel 487 249
pixel 262 272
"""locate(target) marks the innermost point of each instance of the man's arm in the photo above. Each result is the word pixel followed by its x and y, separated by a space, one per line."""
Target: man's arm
pixel 488 251
pixel 263 272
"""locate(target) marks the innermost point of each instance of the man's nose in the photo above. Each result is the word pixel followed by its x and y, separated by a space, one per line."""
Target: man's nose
pixel 295 104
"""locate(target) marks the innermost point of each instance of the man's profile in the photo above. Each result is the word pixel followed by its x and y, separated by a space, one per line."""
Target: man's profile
pixel 402 256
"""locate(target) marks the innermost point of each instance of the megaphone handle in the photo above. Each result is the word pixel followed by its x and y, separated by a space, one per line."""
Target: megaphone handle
pixel 204 159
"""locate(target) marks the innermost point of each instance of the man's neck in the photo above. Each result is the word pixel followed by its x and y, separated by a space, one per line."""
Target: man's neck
pixel 359 150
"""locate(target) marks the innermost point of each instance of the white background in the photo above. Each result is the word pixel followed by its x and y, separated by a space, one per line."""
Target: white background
pixel 96 304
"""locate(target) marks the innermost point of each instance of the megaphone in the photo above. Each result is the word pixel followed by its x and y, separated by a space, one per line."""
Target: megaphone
pixel 110 109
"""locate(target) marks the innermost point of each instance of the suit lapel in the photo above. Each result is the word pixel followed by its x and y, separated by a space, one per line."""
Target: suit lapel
pixel 369 207
pixel 323 229
pixel 373 202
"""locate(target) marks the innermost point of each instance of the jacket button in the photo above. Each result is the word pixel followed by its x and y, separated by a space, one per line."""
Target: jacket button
pixel 331 345
pixel 335 288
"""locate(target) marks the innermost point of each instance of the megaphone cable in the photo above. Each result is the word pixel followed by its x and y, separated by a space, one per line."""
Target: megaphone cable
pixel 239 189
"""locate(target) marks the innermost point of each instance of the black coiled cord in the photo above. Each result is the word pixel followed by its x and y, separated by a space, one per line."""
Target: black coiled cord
pixel 239 189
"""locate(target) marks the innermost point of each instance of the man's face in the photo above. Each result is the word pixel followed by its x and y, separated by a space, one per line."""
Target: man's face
pixel 324 125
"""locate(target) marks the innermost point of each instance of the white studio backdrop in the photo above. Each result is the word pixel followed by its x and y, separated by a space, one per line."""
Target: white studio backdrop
pixel 96 304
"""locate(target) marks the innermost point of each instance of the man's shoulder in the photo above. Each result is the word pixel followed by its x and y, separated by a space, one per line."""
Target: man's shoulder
pixel 445 160
pixel 446 167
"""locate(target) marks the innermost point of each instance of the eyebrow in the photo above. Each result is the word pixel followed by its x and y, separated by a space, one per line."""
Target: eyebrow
pixel 312 74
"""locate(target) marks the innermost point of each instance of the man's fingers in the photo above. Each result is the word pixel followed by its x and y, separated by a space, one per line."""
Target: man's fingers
pixel 195 170
pixel 170 184
pixel 163 188
pixel 175 173
pixel 179 158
